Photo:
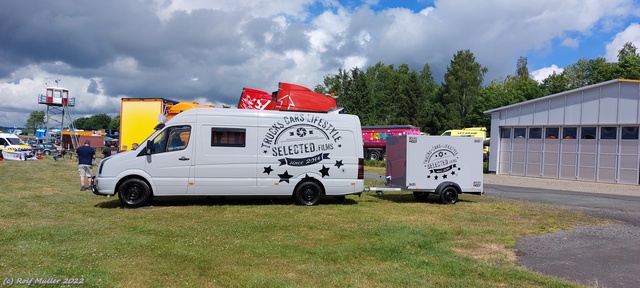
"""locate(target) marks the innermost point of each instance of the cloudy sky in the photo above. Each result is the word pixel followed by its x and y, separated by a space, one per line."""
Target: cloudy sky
pixel 208 50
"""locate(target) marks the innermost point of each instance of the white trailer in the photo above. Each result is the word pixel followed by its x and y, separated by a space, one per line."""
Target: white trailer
pixel 443 165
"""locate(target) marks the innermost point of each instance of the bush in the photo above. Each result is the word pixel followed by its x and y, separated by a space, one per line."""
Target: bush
pixel 375 163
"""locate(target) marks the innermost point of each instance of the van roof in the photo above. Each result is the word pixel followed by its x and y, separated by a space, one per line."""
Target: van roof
pixel 8 135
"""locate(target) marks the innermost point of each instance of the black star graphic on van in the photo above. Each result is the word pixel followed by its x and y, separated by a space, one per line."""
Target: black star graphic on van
pixel 267 170
pixel 285 177
pixel 324 171
pixel 338 163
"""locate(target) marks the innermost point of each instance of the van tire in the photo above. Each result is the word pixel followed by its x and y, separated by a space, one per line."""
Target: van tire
pixel 134 193
pixel 307 194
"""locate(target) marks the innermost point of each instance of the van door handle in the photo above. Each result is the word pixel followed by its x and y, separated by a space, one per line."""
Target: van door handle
pixel 183 158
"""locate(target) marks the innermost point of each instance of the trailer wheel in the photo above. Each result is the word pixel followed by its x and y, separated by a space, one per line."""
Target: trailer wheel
pixel 134 193
pixel 421 195
pixel 307 194
pixel 448 194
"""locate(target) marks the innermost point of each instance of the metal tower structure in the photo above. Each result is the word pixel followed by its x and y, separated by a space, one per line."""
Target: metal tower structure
pixel 58 103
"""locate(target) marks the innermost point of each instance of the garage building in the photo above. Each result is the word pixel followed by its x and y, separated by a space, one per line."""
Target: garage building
pixel 585 134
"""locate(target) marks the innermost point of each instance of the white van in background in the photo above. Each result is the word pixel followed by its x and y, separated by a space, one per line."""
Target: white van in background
pixel 235 152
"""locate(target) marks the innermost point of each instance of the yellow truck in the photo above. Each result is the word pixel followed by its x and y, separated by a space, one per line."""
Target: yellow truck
pixel 477 132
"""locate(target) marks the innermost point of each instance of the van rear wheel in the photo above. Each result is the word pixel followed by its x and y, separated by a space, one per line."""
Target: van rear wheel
pixel 134 193
pixel 307 194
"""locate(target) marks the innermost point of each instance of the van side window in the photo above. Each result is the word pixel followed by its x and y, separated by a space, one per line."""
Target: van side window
pixel 172 139
pixel 228 137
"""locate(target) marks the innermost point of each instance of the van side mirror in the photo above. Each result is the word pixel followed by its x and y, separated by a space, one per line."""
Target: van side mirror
pixel 148 148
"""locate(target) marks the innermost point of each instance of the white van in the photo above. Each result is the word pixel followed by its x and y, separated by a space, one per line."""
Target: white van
pixel 236 152
pixel 12 148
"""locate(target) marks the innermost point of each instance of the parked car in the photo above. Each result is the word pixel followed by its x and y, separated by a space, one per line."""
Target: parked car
pixel 45 148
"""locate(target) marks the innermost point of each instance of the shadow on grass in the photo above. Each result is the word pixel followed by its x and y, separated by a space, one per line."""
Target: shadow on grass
pixel 223 201
pixel 409 198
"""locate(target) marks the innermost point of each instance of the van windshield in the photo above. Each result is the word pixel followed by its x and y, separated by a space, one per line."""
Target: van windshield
pixel 14 141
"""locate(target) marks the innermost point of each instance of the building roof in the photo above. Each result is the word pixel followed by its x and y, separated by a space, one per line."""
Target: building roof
pixel 597 85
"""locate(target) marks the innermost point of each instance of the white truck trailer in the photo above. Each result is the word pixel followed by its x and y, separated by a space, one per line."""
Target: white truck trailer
pixel 446 166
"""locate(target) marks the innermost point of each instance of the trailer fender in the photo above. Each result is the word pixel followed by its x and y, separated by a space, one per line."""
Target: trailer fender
pixel 448 192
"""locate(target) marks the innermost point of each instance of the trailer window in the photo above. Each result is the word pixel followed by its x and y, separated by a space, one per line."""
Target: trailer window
pixel 228 137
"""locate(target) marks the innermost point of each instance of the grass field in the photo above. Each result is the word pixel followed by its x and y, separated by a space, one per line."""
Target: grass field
pixel 51 229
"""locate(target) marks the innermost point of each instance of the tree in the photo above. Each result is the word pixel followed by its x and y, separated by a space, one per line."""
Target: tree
pixel 628 62
pixel 95 122
pixel 361 99
pixel 554 83
pixel 461 89
pixel 627 50
pixel 522 71
pixel 36 118
pixel 115 123
pixel 428 91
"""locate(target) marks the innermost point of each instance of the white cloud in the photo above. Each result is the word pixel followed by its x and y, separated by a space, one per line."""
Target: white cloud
pixel 545 72
pixel 571 43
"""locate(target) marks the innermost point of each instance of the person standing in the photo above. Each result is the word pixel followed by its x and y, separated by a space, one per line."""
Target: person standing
pixel 109 151
pixel 85 155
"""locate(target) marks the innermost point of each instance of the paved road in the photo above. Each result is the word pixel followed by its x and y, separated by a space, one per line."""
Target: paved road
pixel 602 256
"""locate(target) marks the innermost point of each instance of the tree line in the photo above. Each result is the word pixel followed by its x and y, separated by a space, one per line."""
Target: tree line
pixel 95 122
pixel 384 95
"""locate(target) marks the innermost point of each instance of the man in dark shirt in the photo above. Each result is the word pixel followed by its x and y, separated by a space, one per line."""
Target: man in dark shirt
pixel 109 151
pixel 85 155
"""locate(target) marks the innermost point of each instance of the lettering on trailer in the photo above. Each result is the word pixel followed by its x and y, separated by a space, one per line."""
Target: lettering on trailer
pixel 442 162
pixel 302 139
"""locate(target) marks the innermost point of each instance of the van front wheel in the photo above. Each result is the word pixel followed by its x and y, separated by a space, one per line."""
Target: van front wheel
pixel 307 194
pixel 134 193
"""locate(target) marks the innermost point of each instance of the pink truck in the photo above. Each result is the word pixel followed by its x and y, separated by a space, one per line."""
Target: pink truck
pixel 375 138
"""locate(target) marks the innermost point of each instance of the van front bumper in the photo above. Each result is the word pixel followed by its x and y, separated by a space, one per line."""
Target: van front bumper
pixel 98 187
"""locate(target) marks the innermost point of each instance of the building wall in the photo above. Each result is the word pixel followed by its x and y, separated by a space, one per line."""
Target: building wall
pixel 587 134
